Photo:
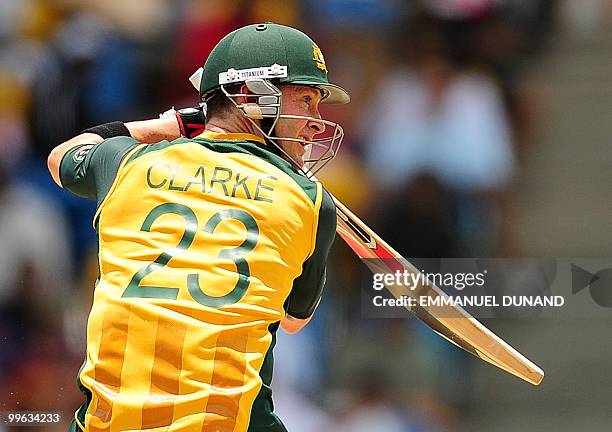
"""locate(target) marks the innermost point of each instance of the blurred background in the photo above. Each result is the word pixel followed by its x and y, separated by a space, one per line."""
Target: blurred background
pixel 477 128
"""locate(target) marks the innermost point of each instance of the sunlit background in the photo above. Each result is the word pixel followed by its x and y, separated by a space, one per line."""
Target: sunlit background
pixel 476 128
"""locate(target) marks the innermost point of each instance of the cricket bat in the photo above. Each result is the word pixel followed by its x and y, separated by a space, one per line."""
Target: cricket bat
pixel 449 321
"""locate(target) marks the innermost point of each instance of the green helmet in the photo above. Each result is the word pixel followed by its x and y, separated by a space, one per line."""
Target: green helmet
pixel 268 51
pixel 263 56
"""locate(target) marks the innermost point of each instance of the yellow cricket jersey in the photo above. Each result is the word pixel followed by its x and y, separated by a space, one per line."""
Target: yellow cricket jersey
pixel 204 246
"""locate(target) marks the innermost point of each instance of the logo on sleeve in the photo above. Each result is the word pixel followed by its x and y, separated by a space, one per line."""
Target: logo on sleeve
pixel 80 154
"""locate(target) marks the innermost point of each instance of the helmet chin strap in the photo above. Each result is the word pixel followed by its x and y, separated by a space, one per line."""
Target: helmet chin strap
pixel 269 124
pixel 270 104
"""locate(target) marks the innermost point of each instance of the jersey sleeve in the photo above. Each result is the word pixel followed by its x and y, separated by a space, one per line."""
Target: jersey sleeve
pixel 308 287
pixel 89 170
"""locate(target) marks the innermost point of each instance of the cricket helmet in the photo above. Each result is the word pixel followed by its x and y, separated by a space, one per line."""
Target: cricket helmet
pixel 262 56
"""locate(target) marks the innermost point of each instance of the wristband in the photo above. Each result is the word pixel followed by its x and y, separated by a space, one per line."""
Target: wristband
pixel 110 130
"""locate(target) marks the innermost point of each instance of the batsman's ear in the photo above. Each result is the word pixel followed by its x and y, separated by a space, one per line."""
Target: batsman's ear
pixel 251 109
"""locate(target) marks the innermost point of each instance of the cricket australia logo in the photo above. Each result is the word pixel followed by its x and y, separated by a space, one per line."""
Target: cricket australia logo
pixel 80 154
pixel 317 56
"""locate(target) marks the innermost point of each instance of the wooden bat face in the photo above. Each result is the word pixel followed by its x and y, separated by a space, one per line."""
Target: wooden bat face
pixel 449 321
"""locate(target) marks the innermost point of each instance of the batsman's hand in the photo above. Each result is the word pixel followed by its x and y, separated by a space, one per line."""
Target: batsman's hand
pixel 191 121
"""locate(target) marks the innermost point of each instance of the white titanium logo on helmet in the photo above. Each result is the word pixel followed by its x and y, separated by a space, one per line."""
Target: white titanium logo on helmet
pixel 233 75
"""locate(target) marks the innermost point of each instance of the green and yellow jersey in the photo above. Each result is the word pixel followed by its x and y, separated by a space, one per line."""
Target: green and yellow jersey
pixel 204 246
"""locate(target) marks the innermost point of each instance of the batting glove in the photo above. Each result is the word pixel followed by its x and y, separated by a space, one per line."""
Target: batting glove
pixel 191 121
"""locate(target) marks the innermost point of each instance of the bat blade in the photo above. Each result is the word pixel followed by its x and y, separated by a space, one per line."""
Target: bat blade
pixel 449 321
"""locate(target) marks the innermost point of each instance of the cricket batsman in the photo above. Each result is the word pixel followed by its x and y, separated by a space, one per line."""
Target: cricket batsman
pixel 208 242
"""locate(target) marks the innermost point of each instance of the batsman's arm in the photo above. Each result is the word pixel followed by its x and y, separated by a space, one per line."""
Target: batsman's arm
pixel 57 154
pixel 146 132
pixel 308 286
pixel 293 325
pixel 187 122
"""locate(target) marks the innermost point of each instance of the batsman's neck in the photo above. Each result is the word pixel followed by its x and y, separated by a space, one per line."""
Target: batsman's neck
pixel 231 124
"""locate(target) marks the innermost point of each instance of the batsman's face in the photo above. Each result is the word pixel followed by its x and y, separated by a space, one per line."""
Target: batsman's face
pixel 299 101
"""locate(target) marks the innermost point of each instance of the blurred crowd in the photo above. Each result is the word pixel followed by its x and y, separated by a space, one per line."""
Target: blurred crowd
pixel 441 111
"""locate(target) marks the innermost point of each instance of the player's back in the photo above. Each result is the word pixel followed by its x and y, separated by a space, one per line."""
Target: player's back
pixel 199 244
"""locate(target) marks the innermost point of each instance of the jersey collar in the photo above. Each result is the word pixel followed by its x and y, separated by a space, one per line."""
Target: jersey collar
pixel 231 136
